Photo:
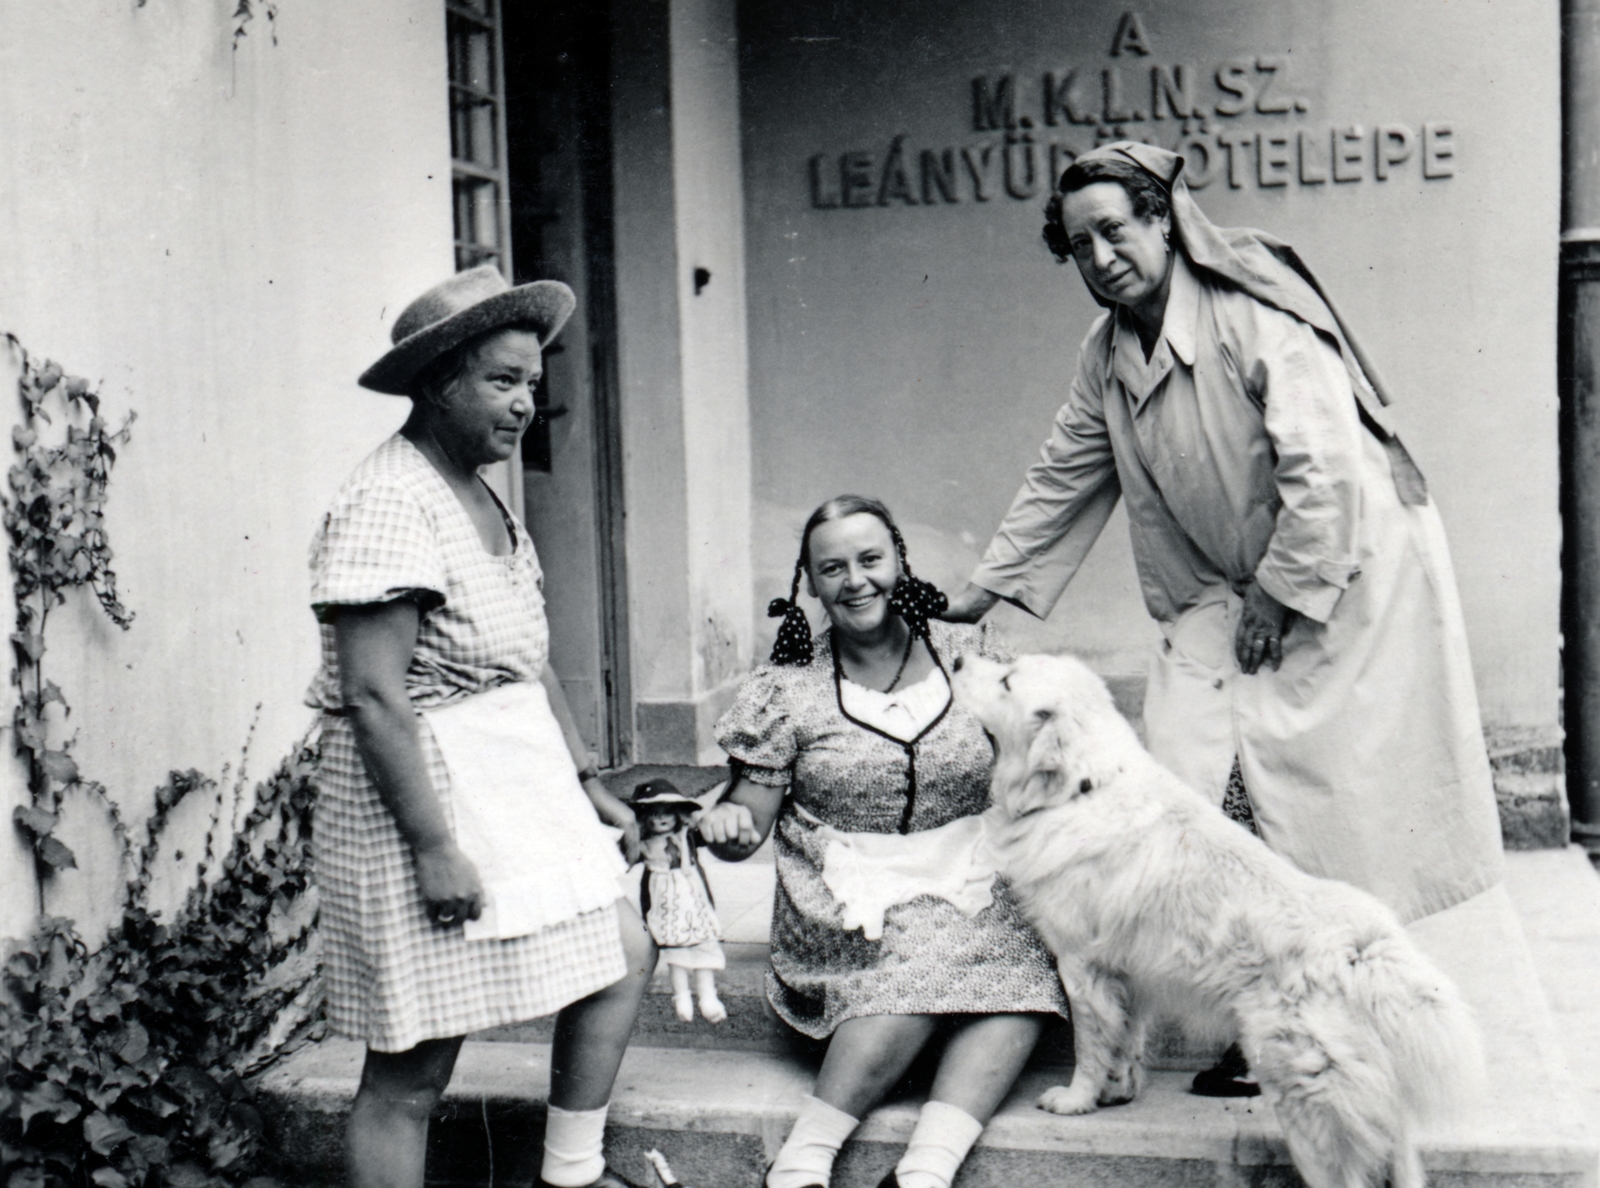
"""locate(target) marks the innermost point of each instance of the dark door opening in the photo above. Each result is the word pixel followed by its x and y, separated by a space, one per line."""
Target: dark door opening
pixel 559 160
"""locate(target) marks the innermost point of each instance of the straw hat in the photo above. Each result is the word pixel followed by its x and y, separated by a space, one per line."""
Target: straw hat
pixel 468 304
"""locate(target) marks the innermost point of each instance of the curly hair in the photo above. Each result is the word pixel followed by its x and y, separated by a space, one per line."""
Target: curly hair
pixel 1145 192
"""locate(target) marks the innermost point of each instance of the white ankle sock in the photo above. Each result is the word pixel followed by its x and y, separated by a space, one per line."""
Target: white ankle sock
pixel 574 1147
pixel 944 1135
pixel 808 1153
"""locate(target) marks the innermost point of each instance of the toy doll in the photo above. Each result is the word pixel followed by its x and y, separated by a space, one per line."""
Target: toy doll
pixel 676 899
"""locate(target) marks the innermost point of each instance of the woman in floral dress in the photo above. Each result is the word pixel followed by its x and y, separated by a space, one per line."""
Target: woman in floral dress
pixel 889 925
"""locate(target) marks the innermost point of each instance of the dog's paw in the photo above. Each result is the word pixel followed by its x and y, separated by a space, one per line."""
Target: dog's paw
pixel 1123 1083
pixel 1067 1099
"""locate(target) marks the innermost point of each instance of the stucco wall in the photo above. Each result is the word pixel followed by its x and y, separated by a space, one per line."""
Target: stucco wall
pixel 915 347
pixel 222 238
pixel 683 366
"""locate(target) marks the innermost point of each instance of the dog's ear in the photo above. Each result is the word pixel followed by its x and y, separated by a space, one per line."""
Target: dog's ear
pixel 1046 780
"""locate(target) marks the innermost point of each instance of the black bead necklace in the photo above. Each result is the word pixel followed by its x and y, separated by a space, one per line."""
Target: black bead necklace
pixel 911 642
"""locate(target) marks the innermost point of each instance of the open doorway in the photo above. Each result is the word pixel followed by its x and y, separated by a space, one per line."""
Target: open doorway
pixel 535 80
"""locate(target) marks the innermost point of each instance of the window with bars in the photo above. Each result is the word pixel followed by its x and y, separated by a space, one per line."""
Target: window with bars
pixel 478 134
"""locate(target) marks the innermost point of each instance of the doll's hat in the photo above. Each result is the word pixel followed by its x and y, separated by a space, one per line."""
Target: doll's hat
pixel 662 794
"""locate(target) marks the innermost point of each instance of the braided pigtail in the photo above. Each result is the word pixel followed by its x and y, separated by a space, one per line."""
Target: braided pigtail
pixel 913 599
pixel 793 645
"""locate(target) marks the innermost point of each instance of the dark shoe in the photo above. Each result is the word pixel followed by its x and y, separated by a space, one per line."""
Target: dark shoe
pixel 890 1181
pixel 1229 1078
pixel 769 1168
pixel 608 1179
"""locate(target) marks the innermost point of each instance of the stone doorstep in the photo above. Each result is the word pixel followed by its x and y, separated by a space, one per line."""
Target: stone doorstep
pixel 720 1116
pixel 752 1024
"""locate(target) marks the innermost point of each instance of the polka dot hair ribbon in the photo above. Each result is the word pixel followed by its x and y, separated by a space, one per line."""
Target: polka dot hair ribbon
pixel 793 645
pixel 917 601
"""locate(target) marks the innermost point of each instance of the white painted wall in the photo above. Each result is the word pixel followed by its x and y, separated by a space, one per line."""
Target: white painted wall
pixel 709 195
pixel 683 367
pixel 918 352
pixel 222 238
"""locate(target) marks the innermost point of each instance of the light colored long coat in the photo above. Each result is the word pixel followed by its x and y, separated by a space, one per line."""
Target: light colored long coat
pixel 1240 449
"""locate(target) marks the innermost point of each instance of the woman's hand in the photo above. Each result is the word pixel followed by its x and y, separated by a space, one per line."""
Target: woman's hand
pixel 449 884
pixel 1259 637
pixel 737 825
pixel 729 824
pixel 970 604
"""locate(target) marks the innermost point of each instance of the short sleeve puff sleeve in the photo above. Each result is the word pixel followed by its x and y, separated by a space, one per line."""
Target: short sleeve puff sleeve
pixel 758 729
pixel 378 543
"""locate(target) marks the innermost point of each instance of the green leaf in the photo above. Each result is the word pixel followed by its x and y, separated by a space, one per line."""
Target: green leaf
pixel 30 644
pixel 47 1098
pixel 189 1174
pixel 105 1133
pixel 137 1043
pixel 27 1177
pixel 59 766
pixel 55 855
pixel 109 1177
pixel 35 820
pixel 103 1006
pixel 150 1148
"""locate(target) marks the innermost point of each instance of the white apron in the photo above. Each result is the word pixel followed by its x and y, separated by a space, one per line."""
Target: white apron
pixel 520 814
pixel 1363 755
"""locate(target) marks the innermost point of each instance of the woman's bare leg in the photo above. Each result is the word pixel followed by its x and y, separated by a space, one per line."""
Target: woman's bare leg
pixel 592 1034
pixel 386 1137
pixel 866 1056
pixel 981 1062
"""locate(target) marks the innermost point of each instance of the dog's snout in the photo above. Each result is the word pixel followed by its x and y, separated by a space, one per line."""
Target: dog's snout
pixel 955 665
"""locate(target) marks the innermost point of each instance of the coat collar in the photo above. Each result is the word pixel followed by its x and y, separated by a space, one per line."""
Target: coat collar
pixel 1178 339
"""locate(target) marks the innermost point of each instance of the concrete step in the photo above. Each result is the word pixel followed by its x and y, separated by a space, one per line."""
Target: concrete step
pixel 720 1116
pixel 753 1026
pixel 719 1113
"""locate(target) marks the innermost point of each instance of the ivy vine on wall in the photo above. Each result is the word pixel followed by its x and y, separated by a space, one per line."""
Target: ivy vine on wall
pixel 55 517
pixel 243 15
pixel 125 1065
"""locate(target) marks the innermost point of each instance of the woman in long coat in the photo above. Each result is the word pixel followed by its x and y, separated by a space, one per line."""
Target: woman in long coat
pixel 1314 668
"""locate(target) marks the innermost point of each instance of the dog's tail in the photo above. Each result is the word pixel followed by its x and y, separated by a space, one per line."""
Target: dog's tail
pixel 1387 1043
pixel 1431 1040
pixel 1430 1033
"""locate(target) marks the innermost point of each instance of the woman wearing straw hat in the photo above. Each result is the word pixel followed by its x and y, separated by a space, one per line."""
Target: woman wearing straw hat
pixel 466 877
pixel 1314 676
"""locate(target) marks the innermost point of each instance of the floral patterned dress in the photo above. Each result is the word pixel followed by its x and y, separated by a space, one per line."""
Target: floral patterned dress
pixel 789 729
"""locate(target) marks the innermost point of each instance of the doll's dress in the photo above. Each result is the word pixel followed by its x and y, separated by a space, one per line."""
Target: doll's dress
pixel 679 913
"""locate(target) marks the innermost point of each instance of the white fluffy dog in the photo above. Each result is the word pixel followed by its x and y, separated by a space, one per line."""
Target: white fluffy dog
pixel 1154 903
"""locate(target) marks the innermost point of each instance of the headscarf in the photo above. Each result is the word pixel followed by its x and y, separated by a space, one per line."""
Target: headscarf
pixel 1272 272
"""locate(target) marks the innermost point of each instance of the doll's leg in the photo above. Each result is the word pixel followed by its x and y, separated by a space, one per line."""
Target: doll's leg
pixel 682 1001
pixel 705 989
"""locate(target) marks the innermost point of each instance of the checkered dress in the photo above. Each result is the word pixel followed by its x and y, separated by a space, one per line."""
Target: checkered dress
pixel 394 978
